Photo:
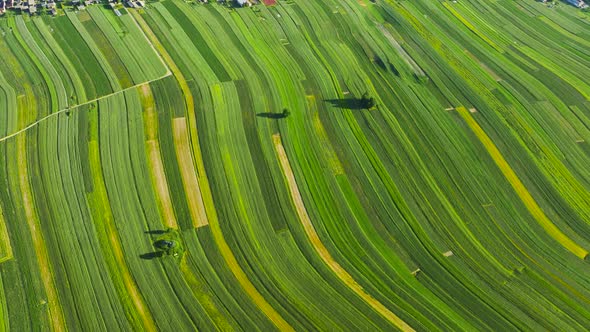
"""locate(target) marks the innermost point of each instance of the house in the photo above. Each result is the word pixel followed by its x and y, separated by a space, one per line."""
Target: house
pixel 577 3
pixel 243 3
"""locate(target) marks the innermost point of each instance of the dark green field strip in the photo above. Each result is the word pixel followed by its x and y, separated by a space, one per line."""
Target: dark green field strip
pixel 81 57
pixel 108 51
pixel 18 66
pixel 103 62
pixel 82 272
pixel 165 110
pixel 198 40
pixel 23 288
pixel 125 205
pixel 55 91
pixel 207 144
pixel 151 66
pixel 74 90
pixel 131 48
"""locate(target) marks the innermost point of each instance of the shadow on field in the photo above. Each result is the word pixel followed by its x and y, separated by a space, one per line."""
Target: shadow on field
pixel 155 232
pixel 151 255
pixel 347 103
pixel 285 113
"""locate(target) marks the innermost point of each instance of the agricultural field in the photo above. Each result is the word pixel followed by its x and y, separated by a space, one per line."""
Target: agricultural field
pixel 296 165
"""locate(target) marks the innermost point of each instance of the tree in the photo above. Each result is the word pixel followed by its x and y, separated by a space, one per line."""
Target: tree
pixel 367 102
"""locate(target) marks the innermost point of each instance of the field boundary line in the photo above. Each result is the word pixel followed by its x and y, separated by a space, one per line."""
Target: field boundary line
pixel 521 191
pixel 168 70
pixel 73 107
pixel 321 249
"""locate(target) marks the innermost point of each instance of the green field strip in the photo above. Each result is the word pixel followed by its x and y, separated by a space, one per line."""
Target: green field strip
pixel 4 320
pixel 198 40
pixel 137 311
pixel 548 165
pixel 109 72
pixel 210 209
pixel 57 91
pixel 191 184
pixel 440 220
pixel 145 51
pixel 132 47
pixel 155 163
pixel 5 247
pixel 113 56
pixel 520 189
pixel 43 39
pixel 9 103
pixel 322 250
pixel 55 310
pixel 78 58
pixel 124 146
pixel 13 71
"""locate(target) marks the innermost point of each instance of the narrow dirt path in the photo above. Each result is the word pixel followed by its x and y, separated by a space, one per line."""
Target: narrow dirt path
pixel 73 107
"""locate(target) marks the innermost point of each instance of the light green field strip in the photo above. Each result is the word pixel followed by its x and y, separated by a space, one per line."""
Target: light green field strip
pixel 319 246
pixel 51 76
pixel 540 148
pixel 4 319
pixel 407 58
pixel 154 157
pixel 142 26
pixel 101 201
pixel 5 247
pixel 204 297
pixel 194 197
pixel 471 27
pixel 7 107
pixel 106 68
pixel 520 188
pixel 224 248
pixel 55 311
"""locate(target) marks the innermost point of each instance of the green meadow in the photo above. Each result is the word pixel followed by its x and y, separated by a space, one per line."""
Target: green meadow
pixel 331 165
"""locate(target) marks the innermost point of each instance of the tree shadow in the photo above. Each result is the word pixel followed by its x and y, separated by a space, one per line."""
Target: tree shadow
pixel 155 232
pixel 347 103
pixel 285 113
pixel 151 255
